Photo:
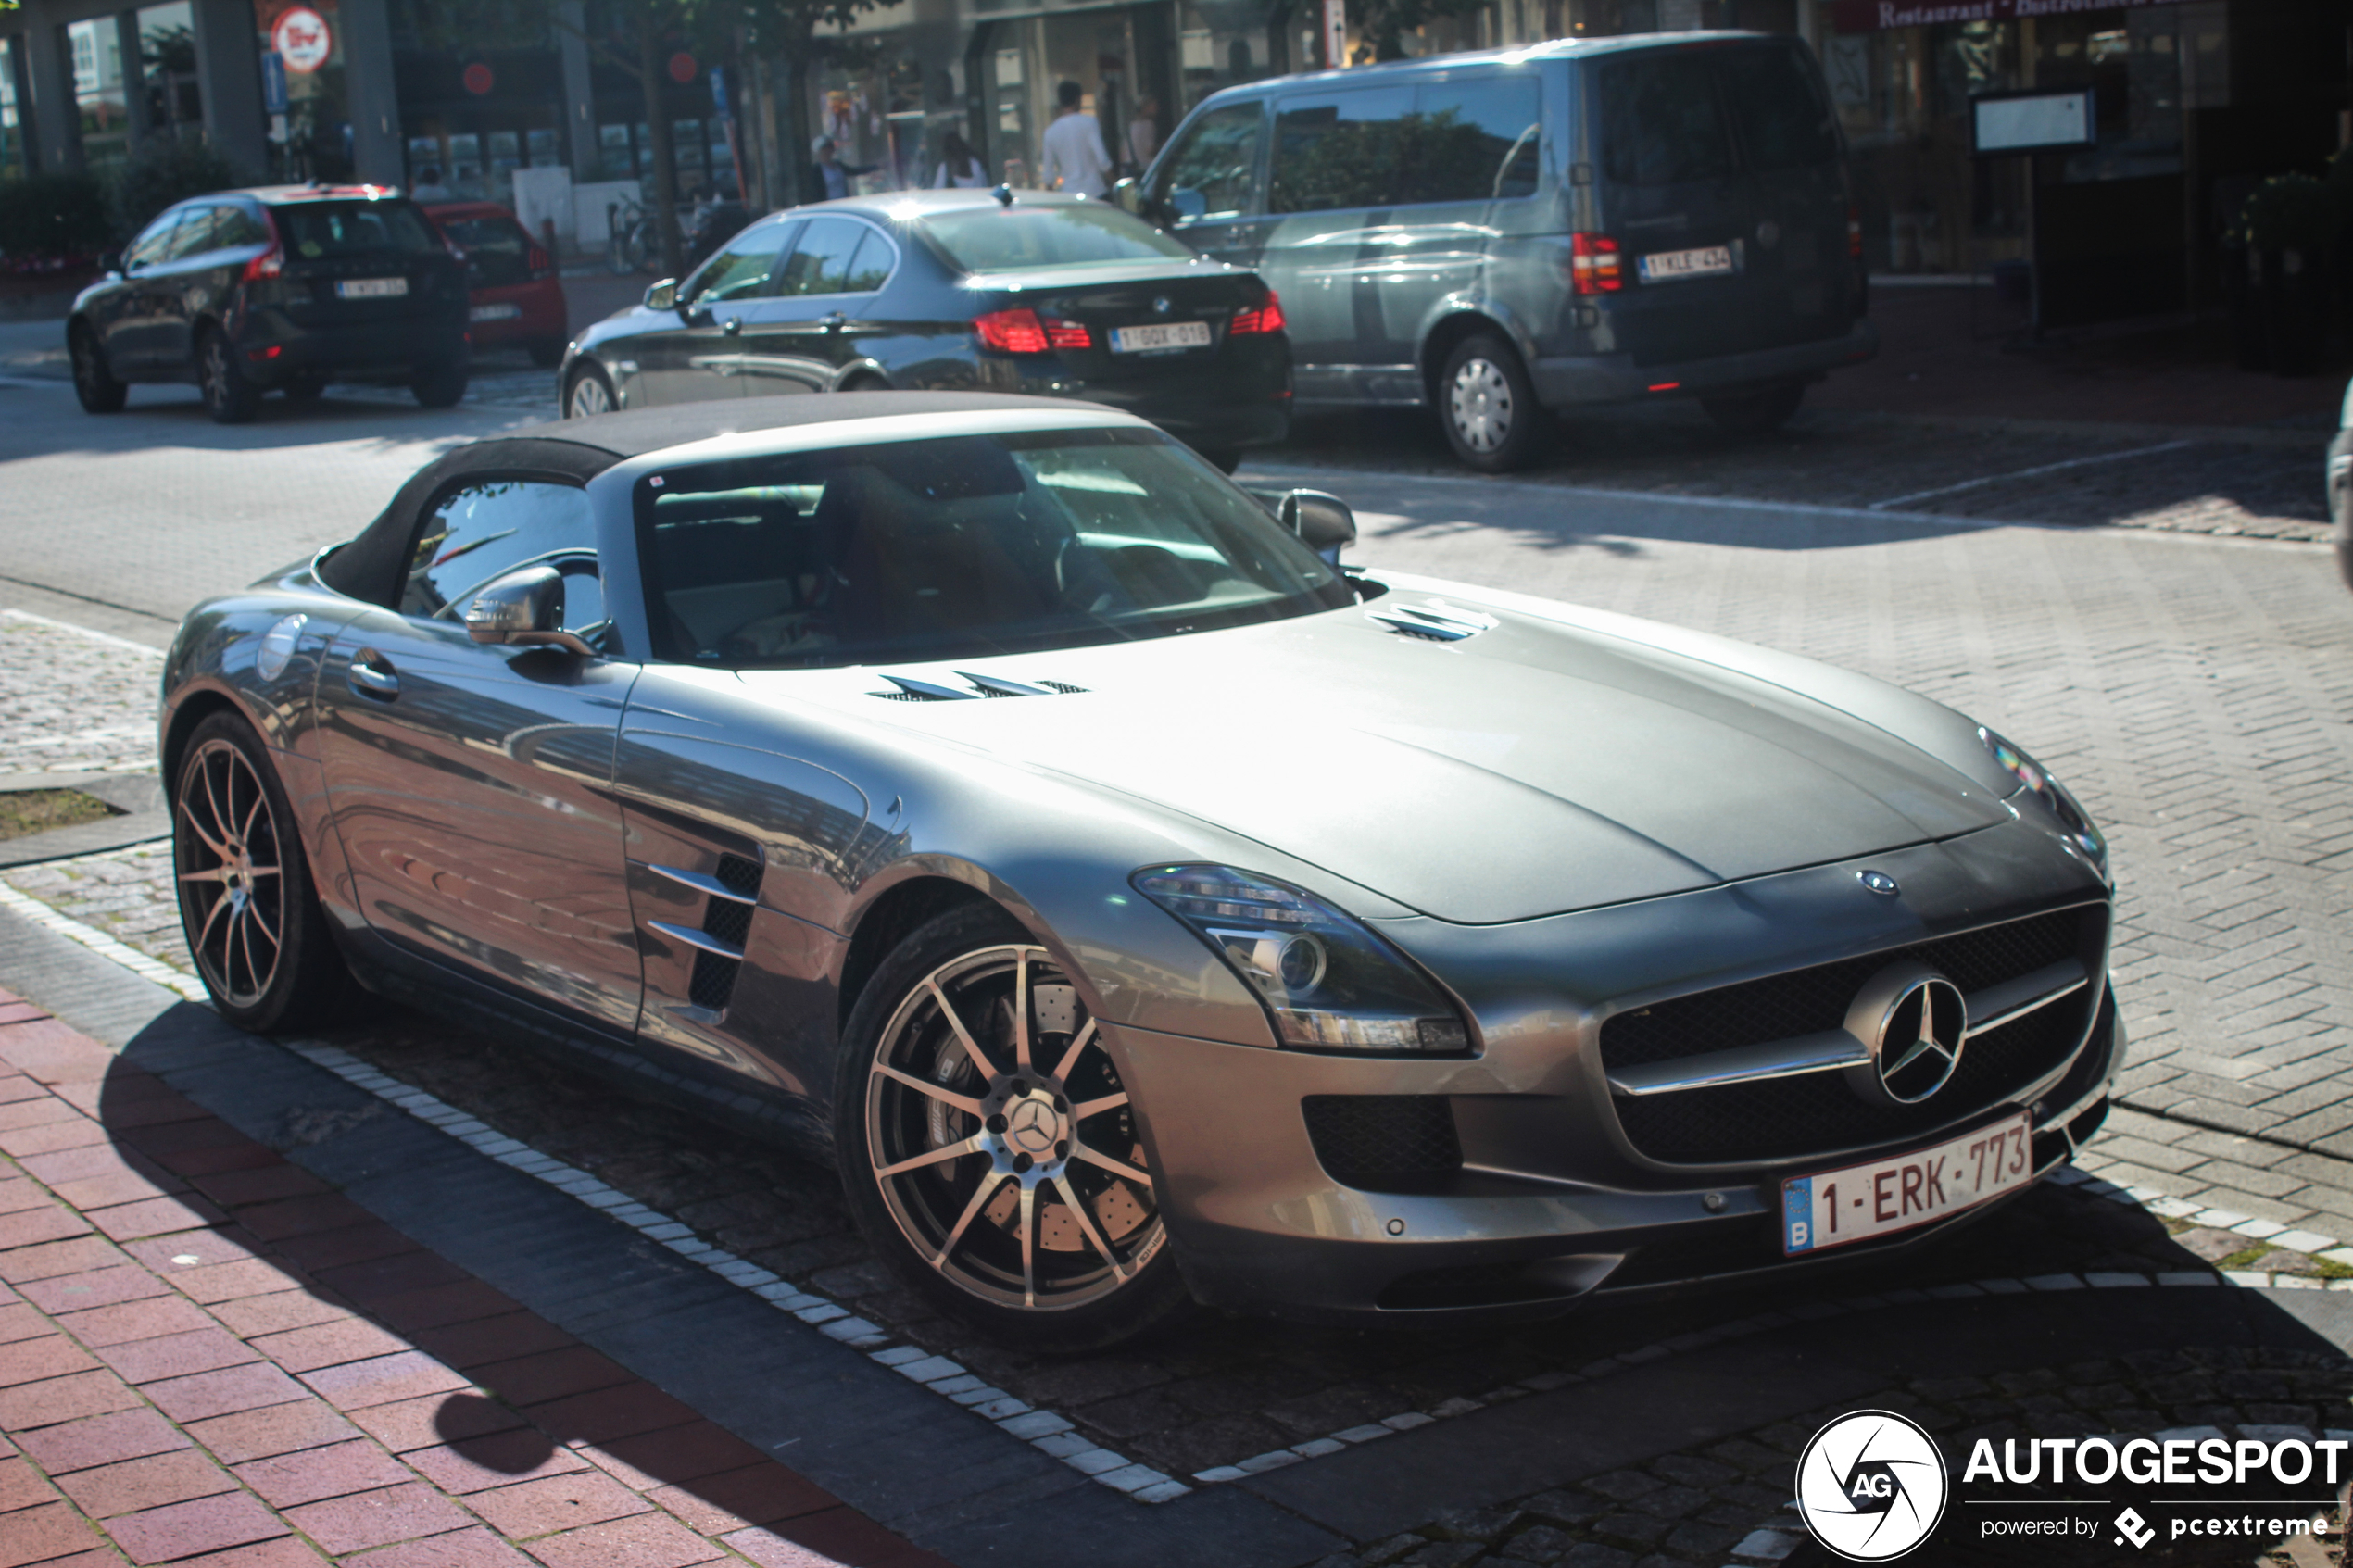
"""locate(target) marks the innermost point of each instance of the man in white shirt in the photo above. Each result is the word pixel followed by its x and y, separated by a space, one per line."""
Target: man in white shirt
pixel 1074 160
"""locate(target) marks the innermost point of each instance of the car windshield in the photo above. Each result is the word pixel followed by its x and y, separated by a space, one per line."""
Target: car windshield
pixel 323 231
pixel 997 239
pixel 958 548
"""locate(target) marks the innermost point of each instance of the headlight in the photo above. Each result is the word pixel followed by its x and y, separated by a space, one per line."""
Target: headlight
pixel 1327 982
pixel 2072 819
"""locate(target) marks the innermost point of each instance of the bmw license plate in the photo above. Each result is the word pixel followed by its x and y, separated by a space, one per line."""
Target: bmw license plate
pixel 1160 337
pixel 1903 1190
pixel 494 312
pixel 1666 266
pixel 371 288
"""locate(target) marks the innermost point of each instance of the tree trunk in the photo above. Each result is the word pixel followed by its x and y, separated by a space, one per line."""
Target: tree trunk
pixel 790 87
pixel 652 72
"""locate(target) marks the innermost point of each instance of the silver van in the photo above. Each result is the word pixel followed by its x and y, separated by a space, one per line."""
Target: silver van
pixel 1602 222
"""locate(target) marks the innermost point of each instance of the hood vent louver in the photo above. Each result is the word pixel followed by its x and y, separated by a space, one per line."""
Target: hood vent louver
pixel 1432 620
pixel 914 690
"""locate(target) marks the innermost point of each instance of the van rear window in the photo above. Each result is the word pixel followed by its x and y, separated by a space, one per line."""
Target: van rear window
pixel 1661 123
pixel 1777 110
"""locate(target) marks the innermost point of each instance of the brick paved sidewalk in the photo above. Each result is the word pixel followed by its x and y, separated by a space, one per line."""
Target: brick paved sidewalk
pixel 209 1357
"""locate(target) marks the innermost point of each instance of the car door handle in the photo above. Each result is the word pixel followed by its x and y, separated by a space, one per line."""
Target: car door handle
pixel 372 676
pixel 833 321
pixel 733 326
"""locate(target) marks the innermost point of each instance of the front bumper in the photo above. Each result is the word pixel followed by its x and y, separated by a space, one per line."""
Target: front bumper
pixel 1614 378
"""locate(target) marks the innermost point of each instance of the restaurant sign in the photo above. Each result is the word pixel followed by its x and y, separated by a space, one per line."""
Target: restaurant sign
pixel 1875 16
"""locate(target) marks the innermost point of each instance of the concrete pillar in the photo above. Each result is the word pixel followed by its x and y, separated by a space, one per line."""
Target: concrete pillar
pixel 228 83
pixel 28 147
pixel 370 93
pixel 135 79
pixel 580 94
pixel 55 117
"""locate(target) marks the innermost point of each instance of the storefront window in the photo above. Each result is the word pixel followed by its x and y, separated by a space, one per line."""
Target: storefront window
pixel 13 162
pixel 167 65
pixel 2132 61
pixel 1902 98
pixel 98 90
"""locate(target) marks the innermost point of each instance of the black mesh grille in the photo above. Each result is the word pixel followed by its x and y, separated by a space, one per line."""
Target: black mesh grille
pixel 1789 1117
pixel 1807 1000
pixel 714 981
pixel 1062 686
pixel 738 874
pixel 1381 1141
pixel 728 920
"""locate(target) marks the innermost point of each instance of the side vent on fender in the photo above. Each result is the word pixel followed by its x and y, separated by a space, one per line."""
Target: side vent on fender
pixel 729 898
pixel 1433 620
pixel 914 690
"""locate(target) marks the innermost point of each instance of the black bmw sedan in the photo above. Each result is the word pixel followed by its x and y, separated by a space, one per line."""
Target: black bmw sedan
pixel 967 291
pixel 277 288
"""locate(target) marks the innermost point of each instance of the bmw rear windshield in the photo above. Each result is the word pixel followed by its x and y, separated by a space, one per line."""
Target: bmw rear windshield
pixel 958 548
pixel 1005 239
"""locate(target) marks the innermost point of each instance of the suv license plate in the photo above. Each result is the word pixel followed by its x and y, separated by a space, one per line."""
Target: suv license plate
pixel 1666 266
pixel 1865 1202
pixel 1162 336
pixel 370 288
pixel 494 312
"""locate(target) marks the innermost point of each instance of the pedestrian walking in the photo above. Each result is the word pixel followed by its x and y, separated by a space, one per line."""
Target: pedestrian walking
pixel 1074 158
pixel 1143 133
pixel 960 167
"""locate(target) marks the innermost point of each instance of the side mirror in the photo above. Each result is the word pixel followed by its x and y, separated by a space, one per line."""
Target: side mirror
pixel 524 608
pixel 1129 195
pixel 110 262
pixel 663 295
pixel 1322 520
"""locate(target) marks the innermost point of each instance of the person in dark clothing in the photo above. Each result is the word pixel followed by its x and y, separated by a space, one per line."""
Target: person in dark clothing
pixel 829 178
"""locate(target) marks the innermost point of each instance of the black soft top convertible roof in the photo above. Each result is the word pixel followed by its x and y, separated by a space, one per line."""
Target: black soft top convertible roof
pixel 575 451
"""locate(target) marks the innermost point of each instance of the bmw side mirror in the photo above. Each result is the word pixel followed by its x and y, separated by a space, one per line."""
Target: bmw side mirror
pixel 1321 520
pixel 523 609
pixel 663 295
pixel 110 263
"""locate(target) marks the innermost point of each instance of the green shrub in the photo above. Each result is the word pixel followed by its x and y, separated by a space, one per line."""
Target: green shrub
pixel 48 216
pixel 2289 212
pixel 160 173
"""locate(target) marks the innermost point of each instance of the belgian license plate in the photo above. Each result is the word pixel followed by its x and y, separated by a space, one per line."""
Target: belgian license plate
pixel 1665 266
pixel 371 288
pixel 1903 1190
pixel 1160 335
pixel 494 312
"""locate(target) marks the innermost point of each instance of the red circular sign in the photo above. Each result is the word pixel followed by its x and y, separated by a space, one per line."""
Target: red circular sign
pixel 682 67
pixel 302 39
pixel 478 79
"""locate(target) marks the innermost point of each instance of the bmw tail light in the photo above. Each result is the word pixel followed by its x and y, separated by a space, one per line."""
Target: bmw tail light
pixel 1020 332
pixel 1068 334
pixel 1267 318
pixel 1595 264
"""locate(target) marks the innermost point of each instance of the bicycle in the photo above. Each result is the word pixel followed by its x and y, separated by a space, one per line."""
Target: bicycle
pixel 629 237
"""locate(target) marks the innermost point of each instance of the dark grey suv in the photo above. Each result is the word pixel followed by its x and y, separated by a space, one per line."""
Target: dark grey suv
pixel 1577 222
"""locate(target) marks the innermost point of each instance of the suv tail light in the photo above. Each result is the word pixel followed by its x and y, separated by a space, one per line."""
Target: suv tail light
pixel 1267 318
pixel 1595 264
pixel 1024 331
pixel 1854 231
pixel 270 263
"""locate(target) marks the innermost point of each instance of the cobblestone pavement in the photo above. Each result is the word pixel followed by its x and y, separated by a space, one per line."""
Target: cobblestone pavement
pixel 73 703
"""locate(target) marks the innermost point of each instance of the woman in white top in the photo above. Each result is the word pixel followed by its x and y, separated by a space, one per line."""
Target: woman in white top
pixel 958 170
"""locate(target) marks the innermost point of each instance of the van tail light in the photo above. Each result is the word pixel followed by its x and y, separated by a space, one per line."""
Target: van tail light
pixel 537 259
pixel 1595 264
pixel 1854 231
pixel 270 263
pixel 1024 332
pixel 1267 318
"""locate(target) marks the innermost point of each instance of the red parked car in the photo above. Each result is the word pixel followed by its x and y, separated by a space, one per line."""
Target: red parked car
pixel 515 295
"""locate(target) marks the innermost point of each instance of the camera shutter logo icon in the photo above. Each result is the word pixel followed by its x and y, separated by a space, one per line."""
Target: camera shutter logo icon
pixel 1871 1486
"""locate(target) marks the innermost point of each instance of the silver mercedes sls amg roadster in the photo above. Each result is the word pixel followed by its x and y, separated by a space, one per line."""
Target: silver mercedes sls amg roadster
pixel 1139 906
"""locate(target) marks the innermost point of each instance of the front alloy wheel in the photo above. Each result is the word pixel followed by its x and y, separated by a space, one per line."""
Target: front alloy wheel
pixel 589 395
pixel 995 1155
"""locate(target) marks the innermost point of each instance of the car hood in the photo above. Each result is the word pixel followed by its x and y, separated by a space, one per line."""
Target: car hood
pixel 1529 769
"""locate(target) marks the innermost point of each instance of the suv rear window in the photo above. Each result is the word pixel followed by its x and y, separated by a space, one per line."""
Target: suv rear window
pixel 993 239
pixel 1661 124
pixel 325 230
pixel 498 252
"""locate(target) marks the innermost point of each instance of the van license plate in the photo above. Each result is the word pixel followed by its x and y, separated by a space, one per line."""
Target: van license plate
pixel 1171 335
pixel 1666 266
pixel 371 288
pixel 1863 1202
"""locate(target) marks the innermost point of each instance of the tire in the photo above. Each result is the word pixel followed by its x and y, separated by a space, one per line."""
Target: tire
pixel 589 393
pixel 93 383
pixel 547 352
pixel 441 386
pixel 1488 407
pixel 305 389
pixel 228 396
pixel 1755 413
pixel 262 942
pixel 995 1237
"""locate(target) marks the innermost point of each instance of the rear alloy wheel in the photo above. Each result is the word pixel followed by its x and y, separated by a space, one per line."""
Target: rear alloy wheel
pixel 1754 413
pixel 92 382
pixel 589 395
pixel 1489 407
pixel 252 918
pixel 989 1148
pixel 228 396
pixel 441 386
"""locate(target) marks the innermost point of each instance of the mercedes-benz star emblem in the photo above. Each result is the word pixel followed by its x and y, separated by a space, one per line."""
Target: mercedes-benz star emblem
pixel 1911 1022
pixel 1160 306
pixel 1031 1127
pixel 1871 1486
